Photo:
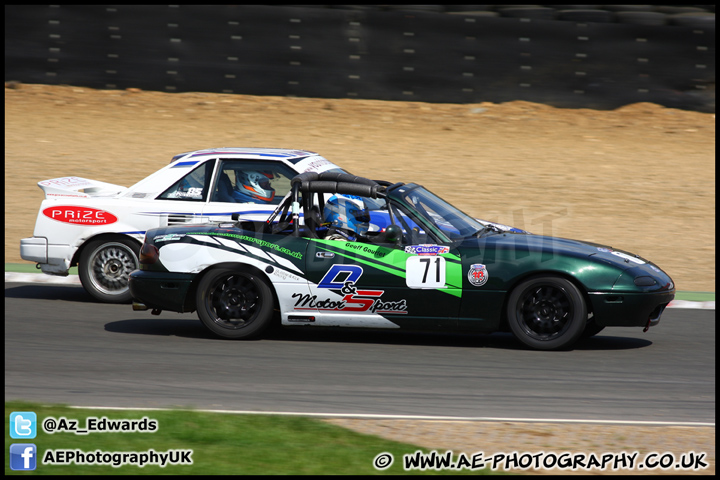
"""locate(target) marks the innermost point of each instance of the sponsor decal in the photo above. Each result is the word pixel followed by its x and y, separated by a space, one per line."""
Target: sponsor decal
pixel 259 242
pixel 298 319
pixel 625 256
pixel 315 163
pixel 478 274
pixel 71 182
pixel 342 279
pixel 628 258
pixel 79 215
pixel 427 249
pixel 286 276
pixel 82 195
pixel 168 238
pixel 192 192
pixel 373 250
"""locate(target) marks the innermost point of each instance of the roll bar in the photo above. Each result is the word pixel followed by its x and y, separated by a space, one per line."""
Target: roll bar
pixel 336 182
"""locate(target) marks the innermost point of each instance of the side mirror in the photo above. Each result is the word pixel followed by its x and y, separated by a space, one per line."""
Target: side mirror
pixel 393 233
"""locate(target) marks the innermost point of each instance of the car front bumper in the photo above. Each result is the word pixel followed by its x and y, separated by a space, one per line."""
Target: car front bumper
pixel 629 309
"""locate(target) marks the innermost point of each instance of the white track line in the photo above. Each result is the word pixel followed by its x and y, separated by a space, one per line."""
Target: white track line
pixel 418 417
pixel 40 278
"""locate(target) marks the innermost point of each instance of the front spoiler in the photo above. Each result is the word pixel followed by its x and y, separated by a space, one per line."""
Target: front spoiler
pixel 629 309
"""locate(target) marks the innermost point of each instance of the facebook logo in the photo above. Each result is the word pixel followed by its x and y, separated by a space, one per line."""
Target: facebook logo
pixel 23 425
pixel 23 456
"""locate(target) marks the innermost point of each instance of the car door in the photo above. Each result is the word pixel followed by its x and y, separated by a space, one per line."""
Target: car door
pixel 383 285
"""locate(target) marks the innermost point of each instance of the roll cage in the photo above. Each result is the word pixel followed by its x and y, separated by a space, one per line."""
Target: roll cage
pixel 307 196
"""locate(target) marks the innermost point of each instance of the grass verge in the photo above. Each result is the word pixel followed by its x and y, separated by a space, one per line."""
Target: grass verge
pixel 221 444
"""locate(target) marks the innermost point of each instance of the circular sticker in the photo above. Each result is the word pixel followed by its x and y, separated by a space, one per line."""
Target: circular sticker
pixel 478 274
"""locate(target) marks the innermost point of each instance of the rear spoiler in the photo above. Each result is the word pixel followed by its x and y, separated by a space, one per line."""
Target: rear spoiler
pixel 78 187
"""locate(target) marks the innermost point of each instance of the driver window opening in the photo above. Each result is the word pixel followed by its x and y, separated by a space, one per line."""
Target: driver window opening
pixel 245 181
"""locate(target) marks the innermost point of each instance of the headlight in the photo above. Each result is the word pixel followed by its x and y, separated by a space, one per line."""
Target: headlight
pixel 644 281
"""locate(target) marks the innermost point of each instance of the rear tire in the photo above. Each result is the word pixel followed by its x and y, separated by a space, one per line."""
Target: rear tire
pixel 104 268
pixel 234 303
pixel 547 313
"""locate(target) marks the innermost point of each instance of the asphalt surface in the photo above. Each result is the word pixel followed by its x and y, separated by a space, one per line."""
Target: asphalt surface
pixel 62 347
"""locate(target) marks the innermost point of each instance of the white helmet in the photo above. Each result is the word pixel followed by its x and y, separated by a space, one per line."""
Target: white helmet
pixel 252 186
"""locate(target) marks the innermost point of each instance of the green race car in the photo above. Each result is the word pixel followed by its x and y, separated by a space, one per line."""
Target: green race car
pixel 346 251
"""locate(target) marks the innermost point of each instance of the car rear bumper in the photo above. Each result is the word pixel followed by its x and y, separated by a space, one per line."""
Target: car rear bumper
pixel 629 309
pixel 34 249
pixel 53 259
pixel 161 290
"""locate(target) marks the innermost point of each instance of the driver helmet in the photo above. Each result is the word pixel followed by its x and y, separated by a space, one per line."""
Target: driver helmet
pixel 348 213
pixel 253 186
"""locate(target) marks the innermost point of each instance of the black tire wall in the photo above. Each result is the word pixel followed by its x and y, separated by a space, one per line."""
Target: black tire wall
pixel 576 59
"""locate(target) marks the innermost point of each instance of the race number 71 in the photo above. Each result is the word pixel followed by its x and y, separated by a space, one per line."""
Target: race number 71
pixel 425 271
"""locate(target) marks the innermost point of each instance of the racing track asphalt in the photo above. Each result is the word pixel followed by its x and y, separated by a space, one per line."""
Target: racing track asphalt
pixel 62 347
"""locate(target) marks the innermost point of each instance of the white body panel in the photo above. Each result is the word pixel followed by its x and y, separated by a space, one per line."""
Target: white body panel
pixel 285 278
pixel 77 210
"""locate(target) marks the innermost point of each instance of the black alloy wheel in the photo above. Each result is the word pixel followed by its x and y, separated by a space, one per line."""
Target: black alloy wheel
pixel 547 313
pixel 234 303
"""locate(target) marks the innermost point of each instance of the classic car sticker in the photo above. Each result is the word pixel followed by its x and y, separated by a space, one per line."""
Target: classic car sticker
pixel 342 279
pixel 427 249
pixel 478 274
pixel 80 215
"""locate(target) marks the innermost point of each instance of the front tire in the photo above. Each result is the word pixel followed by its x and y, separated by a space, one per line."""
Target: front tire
pixel 547 313
pixel 592 329
pixel 234 303
pixel 105 266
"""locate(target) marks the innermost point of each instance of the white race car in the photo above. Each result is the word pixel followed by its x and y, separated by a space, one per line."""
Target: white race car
pixel 100 226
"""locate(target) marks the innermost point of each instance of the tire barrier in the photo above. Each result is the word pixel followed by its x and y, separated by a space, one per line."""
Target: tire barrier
pixel 573 56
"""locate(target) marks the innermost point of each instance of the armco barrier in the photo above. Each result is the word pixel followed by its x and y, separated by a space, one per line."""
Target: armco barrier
pixel 416 53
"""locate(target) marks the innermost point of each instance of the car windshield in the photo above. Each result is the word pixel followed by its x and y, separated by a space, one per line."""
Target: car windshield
pixel 452 222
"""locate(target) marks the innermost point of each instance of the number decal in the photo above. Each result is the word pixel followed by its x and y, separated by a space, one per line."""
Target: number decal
pixel 425 272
